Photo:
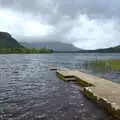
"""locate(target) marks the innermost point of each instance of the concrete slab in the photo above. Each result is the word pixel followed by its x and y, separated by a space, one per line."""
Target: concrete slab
pixel 101 91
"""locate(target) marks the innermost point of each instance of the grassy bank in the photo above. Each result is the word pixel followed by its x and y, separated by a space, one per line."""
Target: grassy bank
pixel 24 50
pixel 105 64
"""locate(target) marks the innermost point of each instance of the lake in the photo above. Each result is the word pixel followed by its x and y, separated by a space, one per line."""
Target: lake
pixel 30 91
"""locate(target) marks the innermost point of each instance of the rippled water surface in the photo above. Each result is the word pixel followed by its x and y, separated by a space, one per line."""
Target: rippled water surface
pixel 30 91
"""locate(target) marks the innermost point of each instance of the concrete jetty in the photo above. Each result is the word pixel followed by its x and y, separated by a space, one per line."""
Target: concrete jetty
pixel 99 90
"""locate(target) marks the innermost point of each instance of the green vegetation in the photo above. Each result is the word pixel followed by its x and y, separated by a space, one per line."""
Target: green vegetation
pixel 105 64
pixel 111 50
pixel 8 45
pixel 24 50
pixel 7 41
pixel 106 50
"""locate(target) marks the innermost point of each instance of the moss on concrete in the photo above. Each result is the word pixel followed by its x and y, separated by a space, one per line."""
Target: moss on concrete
pixel 83 83
pixel 60 76
pixel 102 102
pixel 89 94
pixel 65 78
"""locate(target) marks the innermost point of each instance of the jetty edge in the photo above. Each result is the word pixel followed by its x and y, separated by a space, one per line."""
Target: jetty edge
pixel 101 91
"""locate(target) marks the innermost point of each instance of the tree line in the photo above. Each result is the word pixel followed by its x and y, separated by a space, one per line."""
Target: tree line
pixel 24 50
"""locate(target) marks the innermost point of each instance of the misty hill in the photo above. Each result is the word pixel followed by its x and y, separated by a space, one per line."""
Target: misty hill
pixel 112 49
pixel 106 50
pixel 62 47
pixel 55 46
pixel 7 41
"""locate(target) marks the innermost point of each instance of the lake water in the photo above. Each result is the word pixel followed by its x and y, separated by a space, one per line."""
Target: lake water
pixel 30 91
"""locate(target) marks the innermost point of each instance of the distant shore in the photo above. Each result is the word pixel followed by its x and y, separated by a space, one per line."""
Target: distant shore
pixel 45 50
pixel 24 50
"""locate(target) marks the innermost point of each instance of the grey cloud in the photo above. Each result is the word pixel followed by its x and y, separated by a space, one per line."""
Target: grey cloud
pixel 54 10
pixel 93 8
pixel 34 7
pixel 64 15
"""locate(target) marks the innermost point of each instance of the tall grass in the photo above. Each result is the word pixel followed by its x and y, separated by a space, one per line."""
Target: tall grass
pixel 105 64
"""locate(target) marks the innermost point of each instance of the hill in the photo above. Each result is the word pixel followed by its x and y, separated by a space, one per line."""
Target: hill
pixel 8 45
pixel 106 50
pixel 7 41
pixel 66 48
pixel 55 46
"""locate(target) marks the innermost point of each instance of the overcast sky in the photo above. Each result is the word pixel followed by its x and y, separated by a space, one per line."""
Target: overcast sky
pixel 88 24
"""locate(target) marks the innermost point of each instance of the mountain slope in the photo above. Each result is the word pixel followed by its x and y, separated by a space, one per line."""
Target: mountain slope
pixel 112 49
pixel 7 41
pixel 62 47
pixel 106 50
pixel 55 46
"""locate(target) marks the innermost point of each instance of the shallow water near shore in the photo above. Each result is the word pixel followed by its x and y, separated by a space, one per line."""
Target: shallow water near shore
pixel 30 91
